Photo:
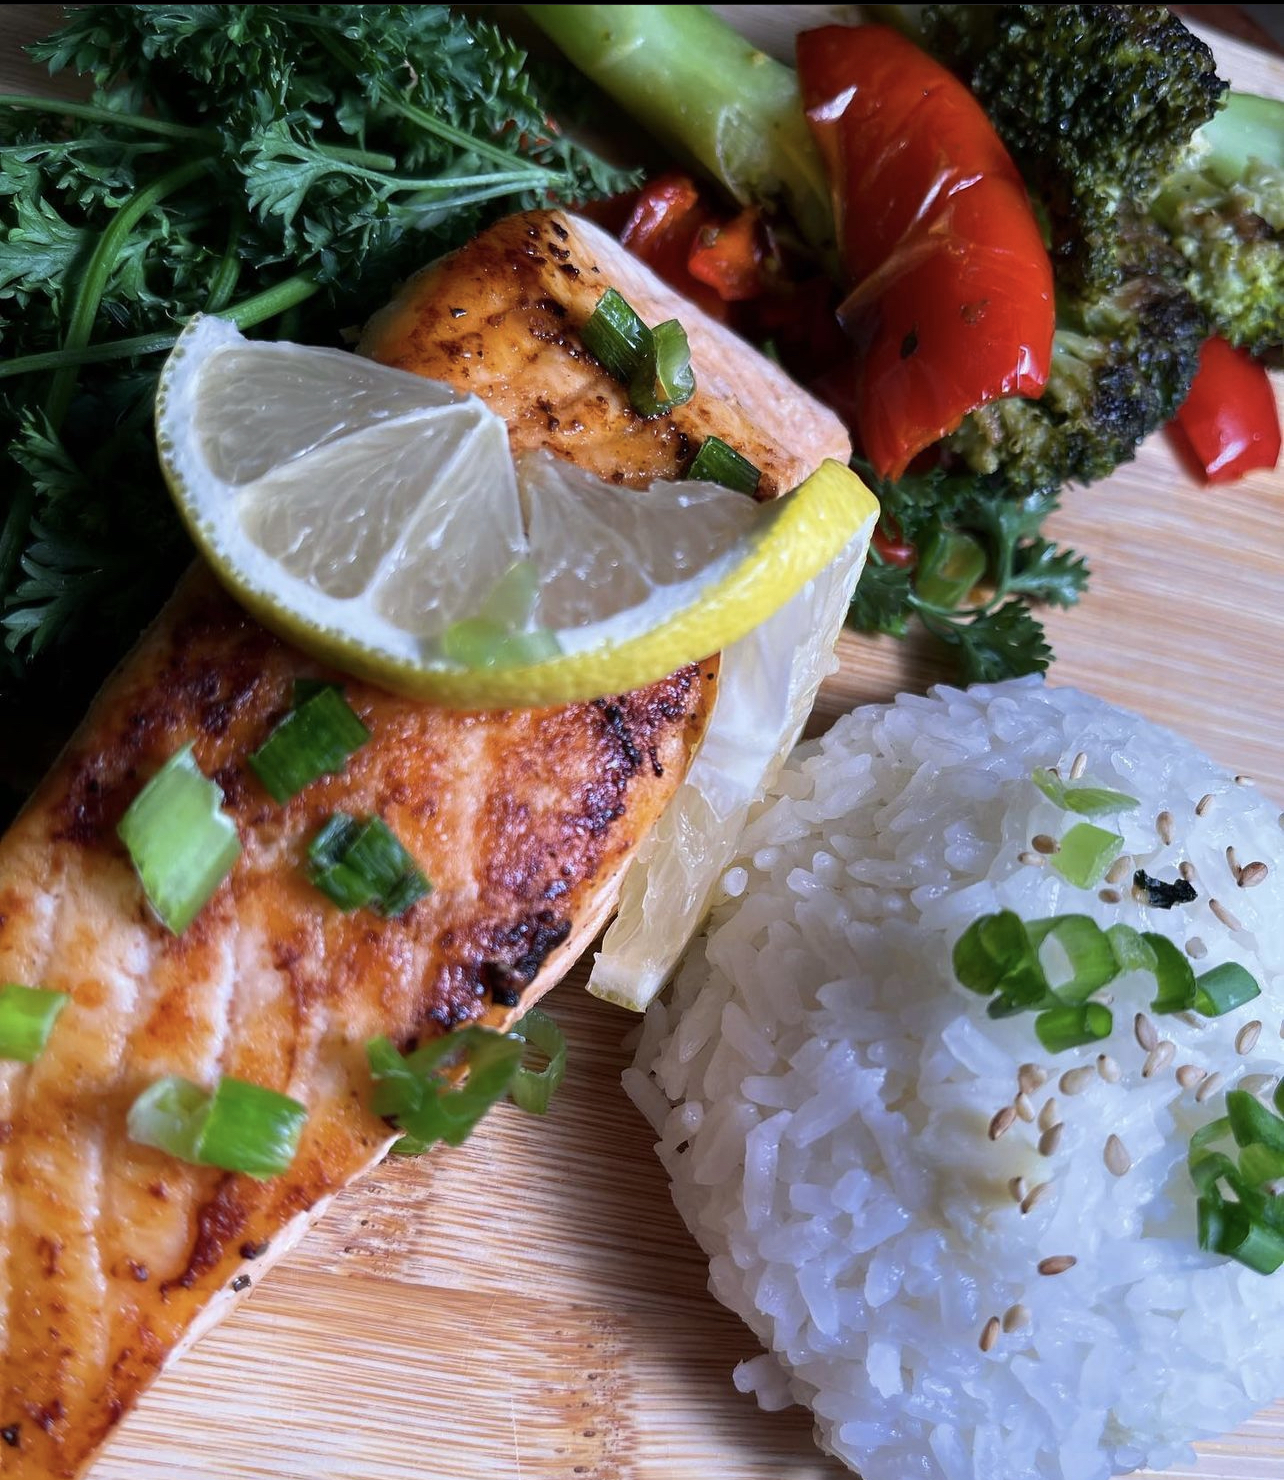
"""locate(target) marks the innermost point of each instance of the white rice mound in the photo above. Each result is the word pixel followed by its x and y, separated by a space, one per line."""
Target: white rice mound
pixel 823 1087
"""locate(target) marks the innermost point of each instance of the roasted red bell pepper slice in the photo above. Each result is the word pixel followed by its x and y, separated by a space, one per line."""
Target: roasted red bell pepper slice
pixel 729 258
pixel 951 303
pixel 1229 422
pixel 892 546
pixel 667 217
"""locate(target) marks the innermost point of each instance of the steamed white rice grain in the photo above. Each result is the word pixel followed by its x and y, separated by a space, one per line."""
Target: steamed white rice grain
pixel 822 1088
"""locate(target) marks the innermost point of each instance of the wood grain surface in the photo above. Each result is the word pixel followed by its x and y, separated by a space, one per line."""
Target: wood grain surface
pixel 530 1305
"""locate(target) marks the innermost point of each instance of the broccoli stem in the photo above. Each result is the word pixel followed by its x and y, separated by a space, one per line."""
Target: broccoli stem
pixel 1247 127
pixel 704 91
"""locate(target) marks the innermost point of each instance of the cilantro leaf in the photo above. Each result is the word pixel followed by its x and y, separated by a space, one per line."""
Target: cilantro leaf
pixel 881 602
pixel 1044 572
pixel 1002 638
pixel 993 645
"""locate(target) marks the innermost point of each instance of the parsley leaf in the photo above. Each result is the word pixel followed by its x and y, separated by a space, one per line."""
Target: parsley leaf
pixel 290 162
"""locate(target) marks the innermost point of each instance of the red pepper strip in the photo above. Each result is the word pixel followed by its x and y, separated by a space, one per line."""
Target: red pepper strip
pixel 729 258
pixel 952 305
pixel 1229 421
pixel 662 230
pixel 892 546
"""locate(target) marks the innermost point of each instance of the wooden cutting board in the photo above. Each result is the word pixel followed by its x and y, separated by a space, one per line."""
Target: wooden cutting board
pixel 530 1305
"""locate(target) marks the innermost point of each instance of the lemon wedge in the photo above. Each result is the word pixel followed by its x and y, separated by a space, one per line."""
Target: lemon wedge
pixel 767 685
pixel 378 520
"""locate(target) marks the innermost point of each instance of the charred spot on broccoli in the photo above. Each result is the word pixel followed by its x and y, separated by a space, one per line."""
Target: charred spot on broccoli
pixel 1223 208
pixel 1096 103
pixel 1123 360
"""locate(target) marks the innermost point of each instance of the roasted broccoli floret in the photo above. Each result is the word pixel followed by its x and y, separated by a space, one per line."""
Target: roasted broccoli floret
pixel 1223 208
pixel 1097 104
pixel 1163 203
pixel 1122 361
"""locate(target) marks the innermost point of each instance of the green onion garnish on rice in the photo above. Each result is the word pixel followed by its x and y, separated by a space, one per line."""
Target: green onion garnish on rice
pixel 1174 977
pixel 182 844
pixel 1247 1225
pixel 1053 965
pixel 1085 854
pixel 1084 798
pixel 1059 1028
pixel 240 1127
pixel 1132 951
pixel 315 739
pixel 1075 954
pixel 27 1017
pixel 1223 989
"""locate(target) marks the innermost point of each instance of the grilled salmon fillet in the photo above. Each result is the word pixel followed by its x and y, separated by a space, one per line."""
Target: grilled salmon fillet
pixel 116 1255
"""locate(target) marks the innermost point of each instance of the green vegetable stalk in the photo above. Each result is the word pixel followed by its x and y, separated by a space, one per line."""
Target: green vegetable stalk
pixel 706 93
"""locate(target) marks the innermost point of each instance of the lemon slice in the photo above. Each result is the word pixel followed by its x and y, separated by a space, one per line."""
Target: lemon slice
pixel 378 520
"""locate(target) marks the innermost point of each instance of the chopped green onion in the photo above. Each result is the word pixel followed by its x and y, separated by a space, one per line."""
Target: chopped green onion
pixel 1208 1170
pixel 1131 951
pixel 314 739
pixel 1085 854
pixel 716 462
pixel 618 338
pixel 1251 1228
pixel 1259 1164
pixel 1207 1134
pixel 251 1129
pixel 27 1016
pixel 362 863
pixel 180 841
pixel 1075 955
pixel 533 1089
pixel 1087 800
pixel 1233 1231
pixel 667 381
pixel 240 1127
pixel 1208 1211
pixel 1223 989
pixel 500 635
pixel 1251 1123
pixel 949 566
pixel 478 642
pixel 413 1092
pixel 1059 1028
pixel 655 364
pixel 169 1116
pixel 995 954
pixel 1174 979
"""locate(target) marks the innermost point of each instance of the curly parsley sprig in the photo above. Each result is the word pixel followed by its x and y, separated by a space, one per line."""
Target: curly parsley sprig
pixel 285 165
